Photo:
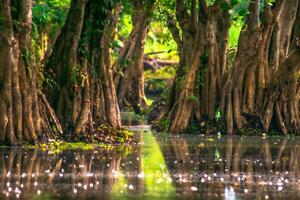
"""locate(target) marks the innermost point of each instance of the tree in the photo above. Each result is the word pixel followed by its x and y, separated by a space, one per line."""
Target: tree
pixel 25 113
pixel 84 95
pixel 253 84
pixel 262 84
pixel 202 49
pixel 282 99
pixel 129 79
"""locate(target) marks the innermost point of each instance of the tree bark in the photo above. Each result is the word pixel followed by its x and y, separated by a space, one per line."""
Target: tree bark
pixel 24 116
pixel 85 95
pixel 254 86
pixel 197 84
pixel 129 79
pixel 62 64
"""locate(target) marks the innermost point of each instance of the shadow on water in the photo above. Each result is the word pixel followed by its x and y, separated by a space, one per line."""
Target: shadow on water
pixel 159 167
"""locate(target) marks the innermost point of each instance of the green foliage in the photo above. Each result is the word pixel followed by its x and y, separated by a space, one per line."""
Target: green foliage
pixel 238 12
pixel 74 74
pixel 159 39
pixel 125 25
pixel 218 114
pixel 234 33
pixel 58 146
pixel 149 101
pixel 49 13
pixel 270 1
pixel 163 125
pixel 27 56
pixel 48 17
pixel 49 81
pixel 163 9
pixel 217 155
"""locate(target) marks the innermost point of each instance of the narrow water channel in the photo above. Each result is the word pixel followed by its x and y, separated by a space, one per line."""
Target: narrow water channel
pixel 159 167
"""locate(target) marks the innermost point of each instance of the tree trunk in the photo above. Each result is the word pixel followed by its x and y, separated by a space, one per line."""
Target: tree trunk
pixel 197 84
pixel 25 116
pixel 282 101
pixel 85 96
pixel 254 87
pixel 244 66
pixel 129 79
pixel 62 66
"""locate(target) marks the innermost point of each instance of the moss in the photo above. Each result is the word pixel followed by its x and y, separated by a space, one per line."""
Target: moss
pixel 149 101
pixel 58 146
pixel 162 125
pixel 105 136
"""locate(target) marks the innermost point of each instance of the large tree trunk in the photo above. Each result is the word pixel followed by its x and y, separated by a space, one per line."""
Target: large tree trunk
pixel 282 99
pixel 85 95
pixel 129 79
pixel 25 115
pixel 262 73
pixel 62 64
pixel 202 65
pixel 243 70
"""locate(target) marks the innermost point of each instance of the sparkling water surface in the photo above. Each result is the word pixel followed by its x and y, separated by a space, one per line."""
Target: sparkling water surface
pixel 159 167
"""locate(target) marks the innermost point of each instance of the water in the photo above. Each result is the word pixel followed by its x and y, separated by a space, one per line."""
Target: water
pixel 159 167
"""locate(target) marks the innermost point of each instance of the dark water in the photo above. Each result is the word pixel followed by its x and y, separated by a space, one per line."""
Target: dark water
pixel 160 167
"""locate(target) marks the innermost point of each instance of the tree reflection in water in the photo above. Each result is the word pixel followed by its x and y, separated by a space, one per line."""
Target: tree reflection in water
pixel 233 167
pixel 184 167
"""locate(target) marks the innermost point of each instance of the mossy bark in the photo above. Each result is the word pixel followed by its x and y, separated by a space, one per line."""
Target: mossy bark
pixel 81 68
pixel 263 56
pixel 25 115
pixel 201 50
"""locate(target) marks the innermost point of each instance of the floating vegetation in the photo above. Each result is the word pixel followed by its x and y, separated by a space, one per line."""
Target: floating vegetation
pixel 103 134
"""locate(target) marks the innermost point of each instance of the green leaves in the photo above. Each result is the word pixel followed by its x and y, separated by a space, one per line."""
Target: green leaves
pixel 27 56
pixel 50 13
pixel 242 13
pixel 234 2
pixel 270 1
pixel 218 114
pixel 225 6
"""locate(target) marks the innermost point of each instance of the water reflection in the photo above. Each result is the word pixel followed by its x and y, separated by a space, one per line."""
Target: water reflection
pixel 177 167
pixel 234 167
